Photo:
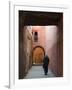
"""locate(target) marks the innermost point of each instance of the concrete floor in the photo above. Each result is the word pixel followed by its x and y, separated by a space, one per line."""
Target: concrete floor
pixel 37 72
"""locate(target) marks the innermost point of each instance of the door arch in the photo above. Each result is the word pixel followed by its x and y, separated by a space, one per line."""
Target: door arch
pixel 38 55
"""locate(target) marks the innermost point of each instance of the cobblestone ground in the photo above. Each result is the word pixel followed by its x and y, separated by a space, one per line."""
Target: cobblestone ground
pixel 37 72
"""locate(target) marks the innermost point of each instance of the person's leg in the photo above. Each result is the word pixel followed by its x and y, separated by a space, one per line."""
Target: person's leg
pixel 46 71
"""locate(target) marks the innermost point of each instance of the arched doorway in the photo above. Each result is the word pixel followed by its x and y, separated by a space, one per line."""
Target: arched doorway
pixel 38 55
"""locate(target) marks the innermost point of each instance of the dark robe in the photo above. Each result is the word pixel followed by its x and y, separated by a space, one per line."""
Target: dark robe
pixel 45 64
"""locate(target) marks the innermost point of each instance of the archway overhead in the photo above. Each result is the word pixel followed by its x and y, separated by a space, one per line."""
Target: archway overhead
pixel 40 18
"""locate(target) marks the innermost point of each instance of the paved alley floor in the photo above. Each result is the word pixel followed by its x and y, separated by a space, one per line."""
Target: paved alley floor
pixel 37 72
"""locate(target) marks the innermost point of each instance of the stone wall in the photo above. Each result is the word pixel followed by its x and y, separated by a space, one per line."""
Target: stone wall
pixel 25 52
pixel 27 49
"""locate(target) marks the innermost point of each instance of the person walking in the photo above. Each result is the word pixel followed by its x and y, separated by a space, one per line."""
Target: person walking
pixel 45 64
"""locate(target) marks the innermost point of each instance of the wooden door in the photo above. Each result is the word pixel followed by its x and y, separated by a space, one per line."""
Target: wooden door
pixel 38 55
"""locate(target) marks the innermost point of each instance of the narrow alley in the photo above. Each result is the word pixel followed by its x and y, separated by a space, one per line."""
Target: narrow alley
pixel 40 43
pixel 37 72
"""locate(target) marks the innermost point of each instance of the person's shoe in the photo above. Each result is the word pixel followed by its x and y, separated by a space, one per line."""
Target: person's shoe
pixel 45 73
